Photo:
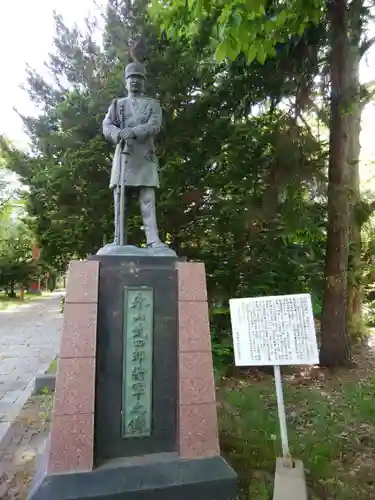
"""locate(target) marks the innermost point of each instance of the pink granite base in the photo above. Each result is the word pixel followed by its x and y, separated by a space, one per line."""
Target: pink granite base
pixel 71 444
pixel 66 467
pixel 198 431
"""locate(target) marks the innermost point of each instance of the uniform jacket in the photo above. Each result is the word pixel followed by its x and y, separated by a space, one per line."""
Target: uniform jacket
pixel 143 116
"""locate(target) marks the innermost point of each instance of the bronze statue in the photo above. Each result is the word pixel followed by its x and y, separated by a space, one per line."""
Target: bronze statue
pixel 131 123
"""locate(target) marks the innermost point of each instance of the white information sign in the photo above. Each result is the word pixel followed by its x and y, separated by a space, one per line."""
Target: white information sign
pixel 277 330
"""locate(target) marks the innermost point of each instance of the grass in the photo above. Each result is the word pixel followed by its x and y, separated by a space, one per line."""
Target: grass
pixel 45 406
pixel 52 367
pixel 6 302
pixel 331 426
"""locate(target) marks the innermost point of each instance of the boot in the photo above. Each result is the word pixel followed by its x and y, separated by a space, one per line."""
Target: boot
pixel 148 210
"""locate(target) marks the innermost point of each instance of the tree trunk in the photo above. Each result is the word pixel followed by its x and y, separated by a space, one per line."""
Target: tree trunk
pixel 355 289
pixel 11 292
pixel 355 271
pixel 335 348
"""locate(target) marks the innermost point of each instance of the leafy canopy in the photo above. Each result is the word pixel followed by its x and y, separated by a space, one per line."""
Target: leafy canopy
pixel 241 189
pixel 255 27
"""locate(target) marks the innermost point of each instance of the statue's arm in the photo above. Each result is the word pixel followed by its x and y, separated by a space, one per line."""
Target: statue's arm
pixel 152 127
pixel 110 129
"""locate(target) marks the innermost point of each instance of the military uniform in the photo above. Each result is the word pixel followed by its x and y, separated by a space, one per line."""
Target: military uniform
pixel 142 117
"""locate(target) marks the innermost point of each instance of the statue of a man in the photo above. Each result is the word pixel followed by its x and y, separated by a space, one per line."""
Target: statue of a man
pixel 131 123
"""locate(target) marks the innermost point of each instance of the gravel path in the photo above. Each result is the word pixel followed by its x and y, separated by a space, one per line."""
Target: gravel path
pixel 29 341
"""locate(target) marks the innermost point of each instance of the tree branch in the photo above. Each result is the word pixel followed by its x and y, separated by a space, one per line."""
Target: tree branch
pixel 366 45
pixel 320 113
pixel 371 207
pixel 4 202
pixel 369 85
pixel 367 93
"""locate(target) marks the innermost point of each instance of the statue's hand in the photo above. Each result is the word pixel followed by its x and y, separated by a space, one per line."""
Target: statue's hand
pixel 124 134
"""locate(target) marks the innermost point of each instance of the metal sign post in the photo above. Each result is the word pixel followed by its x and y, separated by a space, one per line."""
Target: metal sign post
pixel 277 331
pixel 281 412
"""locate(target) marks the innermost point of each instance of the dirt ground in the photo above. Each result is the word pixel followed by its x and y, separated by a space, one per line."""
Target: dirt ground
pixel 331 425
pixel 21 446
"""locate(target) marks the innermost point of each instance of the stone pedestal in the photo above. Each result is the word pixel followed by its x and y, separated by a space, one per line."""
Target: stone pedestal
pixel 135 414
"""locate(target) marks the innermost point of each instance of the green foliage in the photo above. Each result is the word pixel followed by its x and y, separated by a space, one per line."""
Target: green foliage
pixel 16 264
pixel 255 29
pixel 10 195
pixel 243 181
pixel 45 405
pixel 369 314
pixel 328 428
pixel 201 149
pixel 221 341
pixel 53 366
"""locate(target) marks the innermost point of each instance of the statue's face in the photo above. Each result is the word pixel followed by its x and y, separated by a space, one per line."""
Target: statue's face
pixel 135 84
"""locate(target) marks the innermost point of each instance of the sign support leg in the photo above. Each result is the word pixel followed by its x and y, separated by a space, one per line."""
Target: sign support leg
pixel 289 474
pixel 281 412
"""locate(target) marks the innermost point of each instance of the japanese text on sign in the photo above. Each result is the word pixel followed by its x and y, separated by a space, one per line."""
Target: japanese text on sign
pixel 277 330
pixel 137 370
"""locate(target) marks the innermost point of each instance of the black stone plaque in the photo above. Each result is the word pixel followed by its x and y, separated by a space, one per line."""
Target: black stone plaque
pixel 115 274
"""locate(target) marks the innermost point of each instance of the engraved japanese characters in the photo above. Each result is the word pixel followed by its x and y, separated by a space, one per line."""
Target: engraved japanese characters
pixel 137 370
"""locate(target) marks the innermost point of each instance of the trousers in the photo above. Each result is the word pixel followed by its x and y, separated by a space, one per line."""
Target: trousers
pixel 148 211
